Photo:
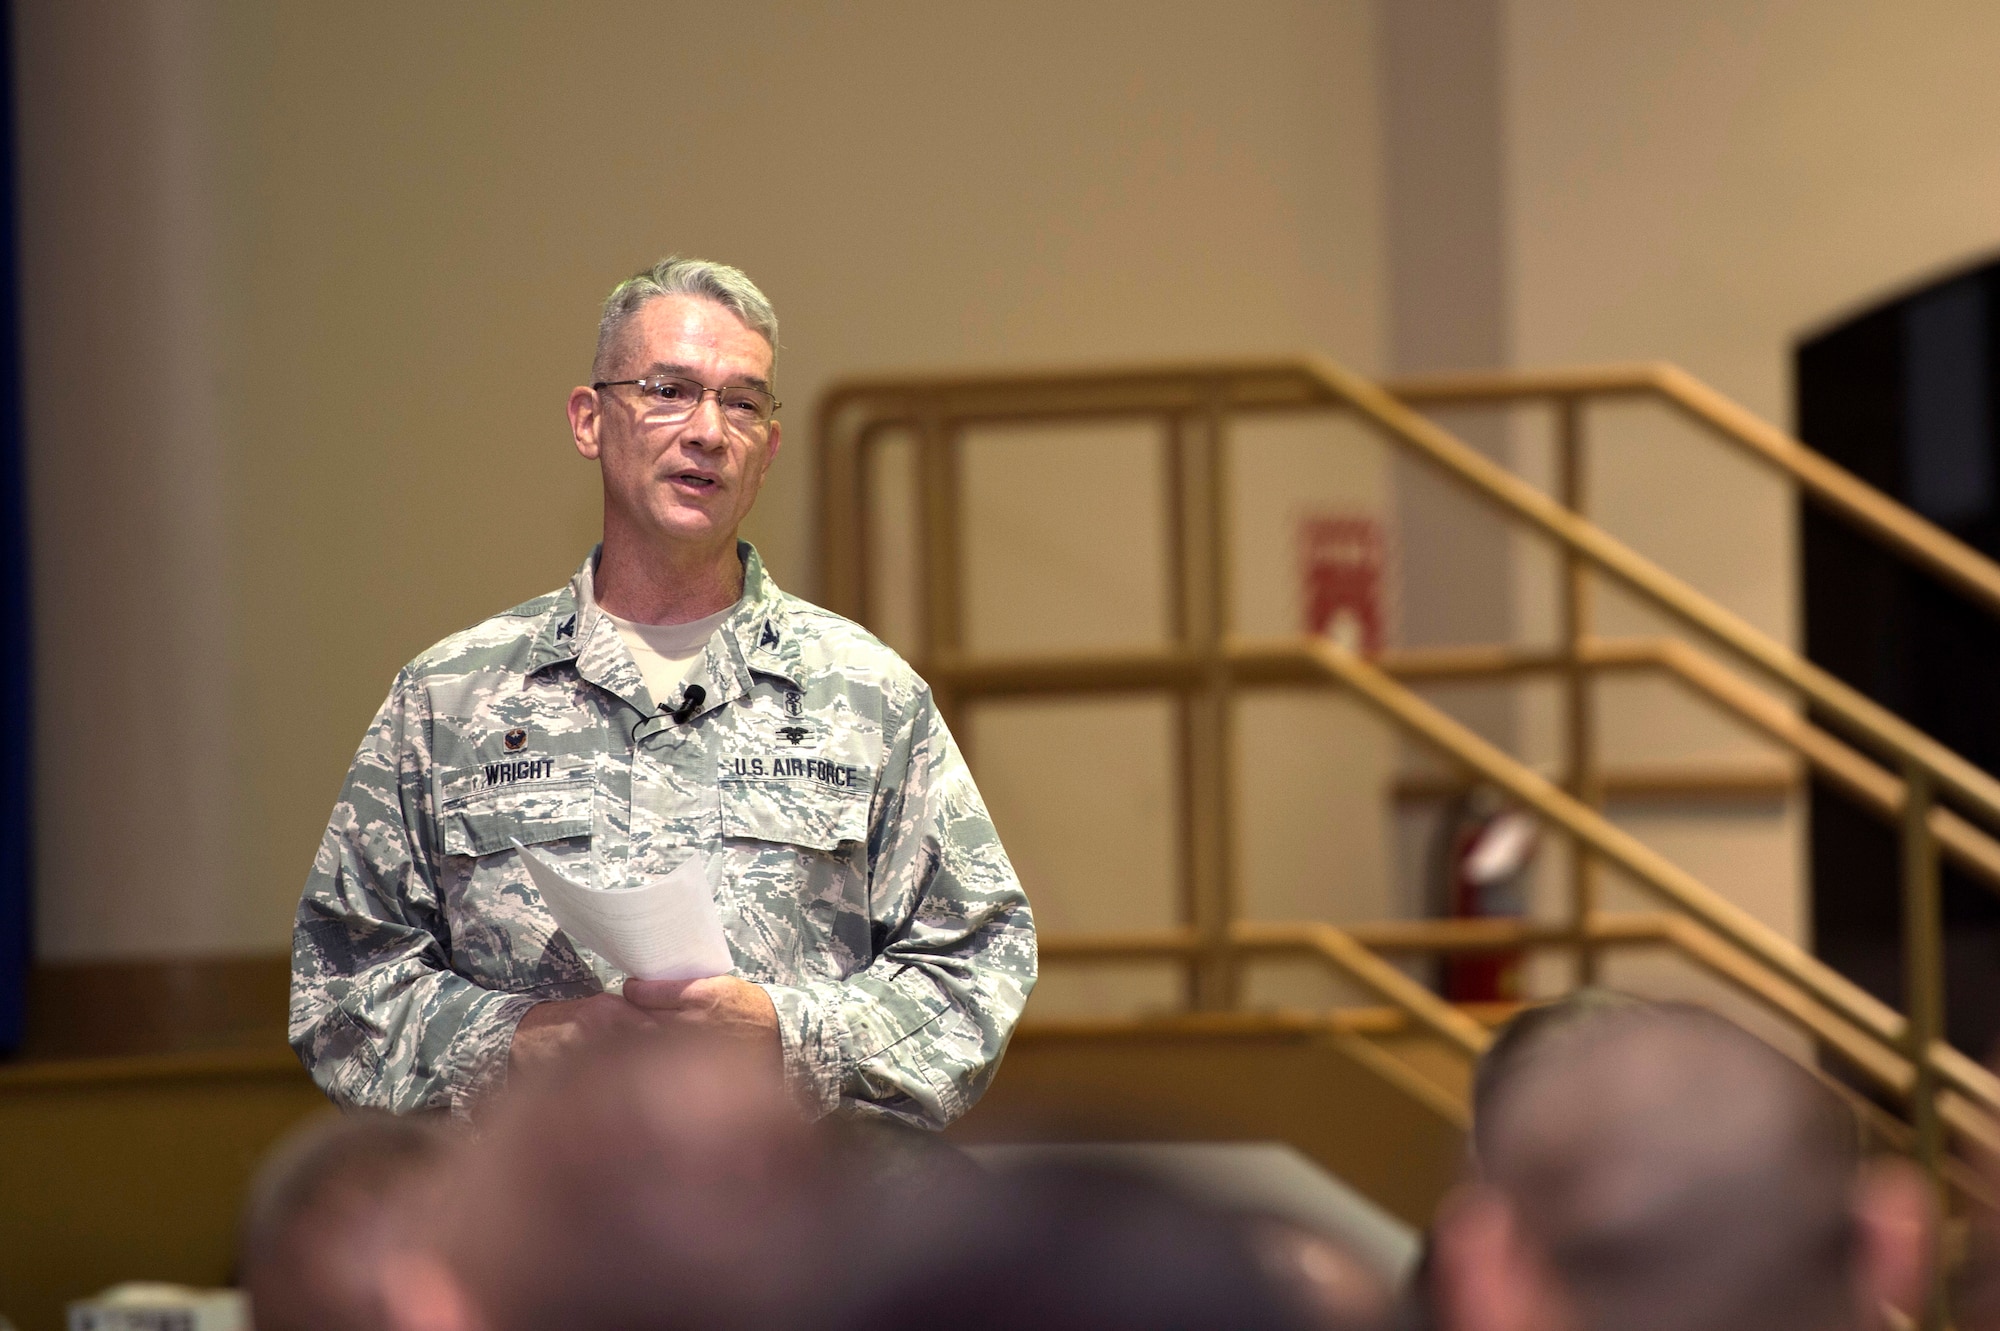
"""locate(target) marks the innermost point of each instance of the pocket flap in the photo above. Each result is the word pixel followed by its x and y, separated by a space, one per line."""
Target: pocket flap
pixel 795 815
pixel 531 812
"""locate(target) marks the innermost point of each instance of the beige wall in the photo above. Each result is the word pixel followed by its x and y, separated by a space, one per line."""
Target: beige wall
pixel 1448 307
pixel 1702 183
pixel 344 438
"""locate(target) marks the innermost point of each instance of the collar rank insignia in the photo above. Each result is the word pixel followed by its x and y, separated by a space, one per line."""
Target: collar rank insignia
pixel 516 740
pixel 769 637
pixel 794 734
pixel 567 629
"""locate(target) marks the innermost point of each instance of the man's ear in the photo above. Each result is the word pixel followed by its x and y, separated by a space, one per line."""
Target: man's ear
pixel 420 1293
pixel 585 418
pixel 1895 1212
pixel 1486 1275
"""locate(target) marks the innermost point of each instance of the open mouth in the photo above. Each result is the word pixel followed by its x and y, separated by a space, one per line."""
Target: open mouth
pixel 697 481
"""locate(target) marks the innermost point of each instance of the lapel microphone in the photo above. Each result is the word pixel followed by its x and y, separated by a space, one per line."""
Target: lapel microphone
pixel 691 699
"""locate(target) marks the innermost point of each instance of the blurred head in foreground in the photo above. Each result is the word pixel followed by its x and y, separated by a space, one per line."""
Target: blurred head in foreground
pixel 1515 1043
pixel 672 1183
pixel 1976 1294
pixel 1659 1169
pixel 1513 1048
pixel 661 1184
pixel 1066 1247
pixel 332 1208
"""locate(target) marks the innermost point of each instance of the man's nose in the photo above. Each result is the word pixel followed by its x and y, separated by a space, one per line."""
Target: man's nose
pixel 705 424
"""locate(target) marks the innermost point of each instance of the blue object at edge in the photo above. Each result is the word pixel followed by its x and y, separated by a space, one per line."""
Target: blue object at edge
pixel 17 664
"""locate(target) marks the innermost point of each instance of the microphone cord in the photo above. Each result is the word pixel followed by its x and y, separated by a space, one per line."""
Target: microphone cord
pixel 692 697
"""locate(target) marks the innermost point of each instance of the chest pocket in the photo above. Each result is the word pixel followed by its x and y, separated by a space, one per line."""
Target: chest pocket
pixel 485 821
pixel 813 802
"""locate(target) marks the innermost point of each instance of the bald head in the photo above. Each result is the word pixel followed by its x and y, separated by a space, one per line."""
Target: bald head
pixel 331 1207
pixel 669 1183
pixel 1672 1173
pixel 1514 1045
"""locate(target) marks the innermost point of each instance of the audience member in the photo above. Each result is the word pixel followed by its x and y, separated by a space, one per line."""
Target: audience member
pixel 332 1211
pixel 1636 1168
pixel 674 1184
pixel 1661 1170
pixel 1067 1247
pixel 1976 1292
pixel 1512 1046
pixel 1976 1284
pixel 1515 1043
pixel 662 1184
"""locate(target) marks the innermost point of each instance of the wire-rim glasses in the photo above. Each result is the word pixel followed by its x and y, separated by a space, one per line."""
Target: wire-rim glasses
pixel 675 397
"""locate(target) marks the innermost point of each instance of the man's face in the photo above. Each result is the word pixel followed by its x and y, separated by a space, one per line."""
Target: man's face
pixel 688 481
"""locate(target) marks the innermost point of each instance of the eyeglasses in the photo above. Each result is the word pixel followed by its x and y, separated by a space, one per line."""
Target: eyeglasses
pixel 673 397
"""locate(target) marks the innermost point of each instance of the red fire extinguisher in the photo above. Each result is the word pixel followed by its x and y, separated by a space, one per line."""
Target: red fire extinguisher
pixel 1491 855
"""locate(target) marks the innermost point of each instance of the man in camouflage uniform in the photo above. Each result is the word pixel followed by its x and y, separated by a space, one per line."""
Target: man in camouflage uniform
pixel 882 945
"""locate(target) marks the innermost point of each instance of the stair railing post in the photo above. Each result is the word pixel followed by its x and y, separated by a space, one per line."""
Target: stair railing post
pixel 943 588
pixel 1581 773
pixel 843 491
pixel 1199 534
pixel 1923 983
pixel 848 552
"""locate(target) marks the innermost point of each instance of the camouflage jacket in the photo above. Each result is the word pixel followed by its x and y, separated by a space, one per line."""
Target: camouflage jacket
pixel 861 882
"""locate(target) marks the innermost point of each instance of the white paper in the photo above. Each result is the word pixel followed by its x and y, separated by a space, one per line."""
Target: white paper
pixel 665 928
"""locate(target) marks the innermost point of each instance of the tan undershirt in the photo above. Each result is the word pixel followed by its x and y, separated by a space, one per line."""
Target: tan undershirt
pixel 667 654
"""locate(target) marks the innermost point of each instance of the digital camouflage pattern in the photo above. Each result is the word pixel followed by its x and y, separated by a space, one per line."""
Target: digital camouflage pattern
pixel 858 876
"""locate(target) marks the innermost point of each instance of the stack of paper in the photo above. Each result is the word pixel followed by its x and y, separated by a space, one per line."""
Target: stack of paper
pixel 664 928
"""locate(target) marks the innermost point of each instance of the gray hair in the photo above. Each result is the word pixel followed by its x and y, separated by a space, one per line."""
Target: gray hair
pixel 330 1202
pixel 1678 1174
pixel 728 287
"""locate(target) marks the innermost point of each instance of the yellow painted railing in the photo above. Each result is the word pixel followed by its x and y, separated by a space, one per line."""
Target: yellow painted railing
pixel 1890 766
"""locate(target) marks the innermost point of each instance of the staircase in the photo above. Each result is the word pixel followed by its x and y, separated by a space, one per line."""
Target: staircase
pixel 1377 1092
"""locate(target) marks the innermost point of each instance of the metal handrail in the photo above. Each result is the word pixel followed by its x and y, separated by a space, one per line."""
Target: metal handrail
pixel 1866 719
pixel 1887 1066
pixel 1206 664
pixel 1331 946
pixel 1832 485
pixel 1273 661
pixel 926 402
pixel 1970 1113
pixel 1875 789
pixel 1642 863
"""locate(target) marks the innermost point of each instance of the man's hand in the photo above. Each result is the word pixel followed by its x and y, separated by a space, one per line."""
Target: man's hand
pixel 722 1003
pixel 555 1028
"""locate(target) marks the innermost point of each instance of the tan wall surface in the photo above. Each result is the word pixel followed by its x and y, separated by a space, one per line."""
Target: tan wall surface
pixel 412 217
pixel 1701 183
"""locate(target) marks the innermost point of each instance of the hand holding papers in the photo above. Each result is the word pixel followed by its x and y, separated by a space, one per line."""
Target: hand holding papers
pixel 665 929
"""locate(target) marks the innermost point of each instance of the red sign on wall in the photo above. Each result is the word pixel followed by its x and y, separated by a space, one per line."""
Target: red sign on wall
pixel 1341 563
